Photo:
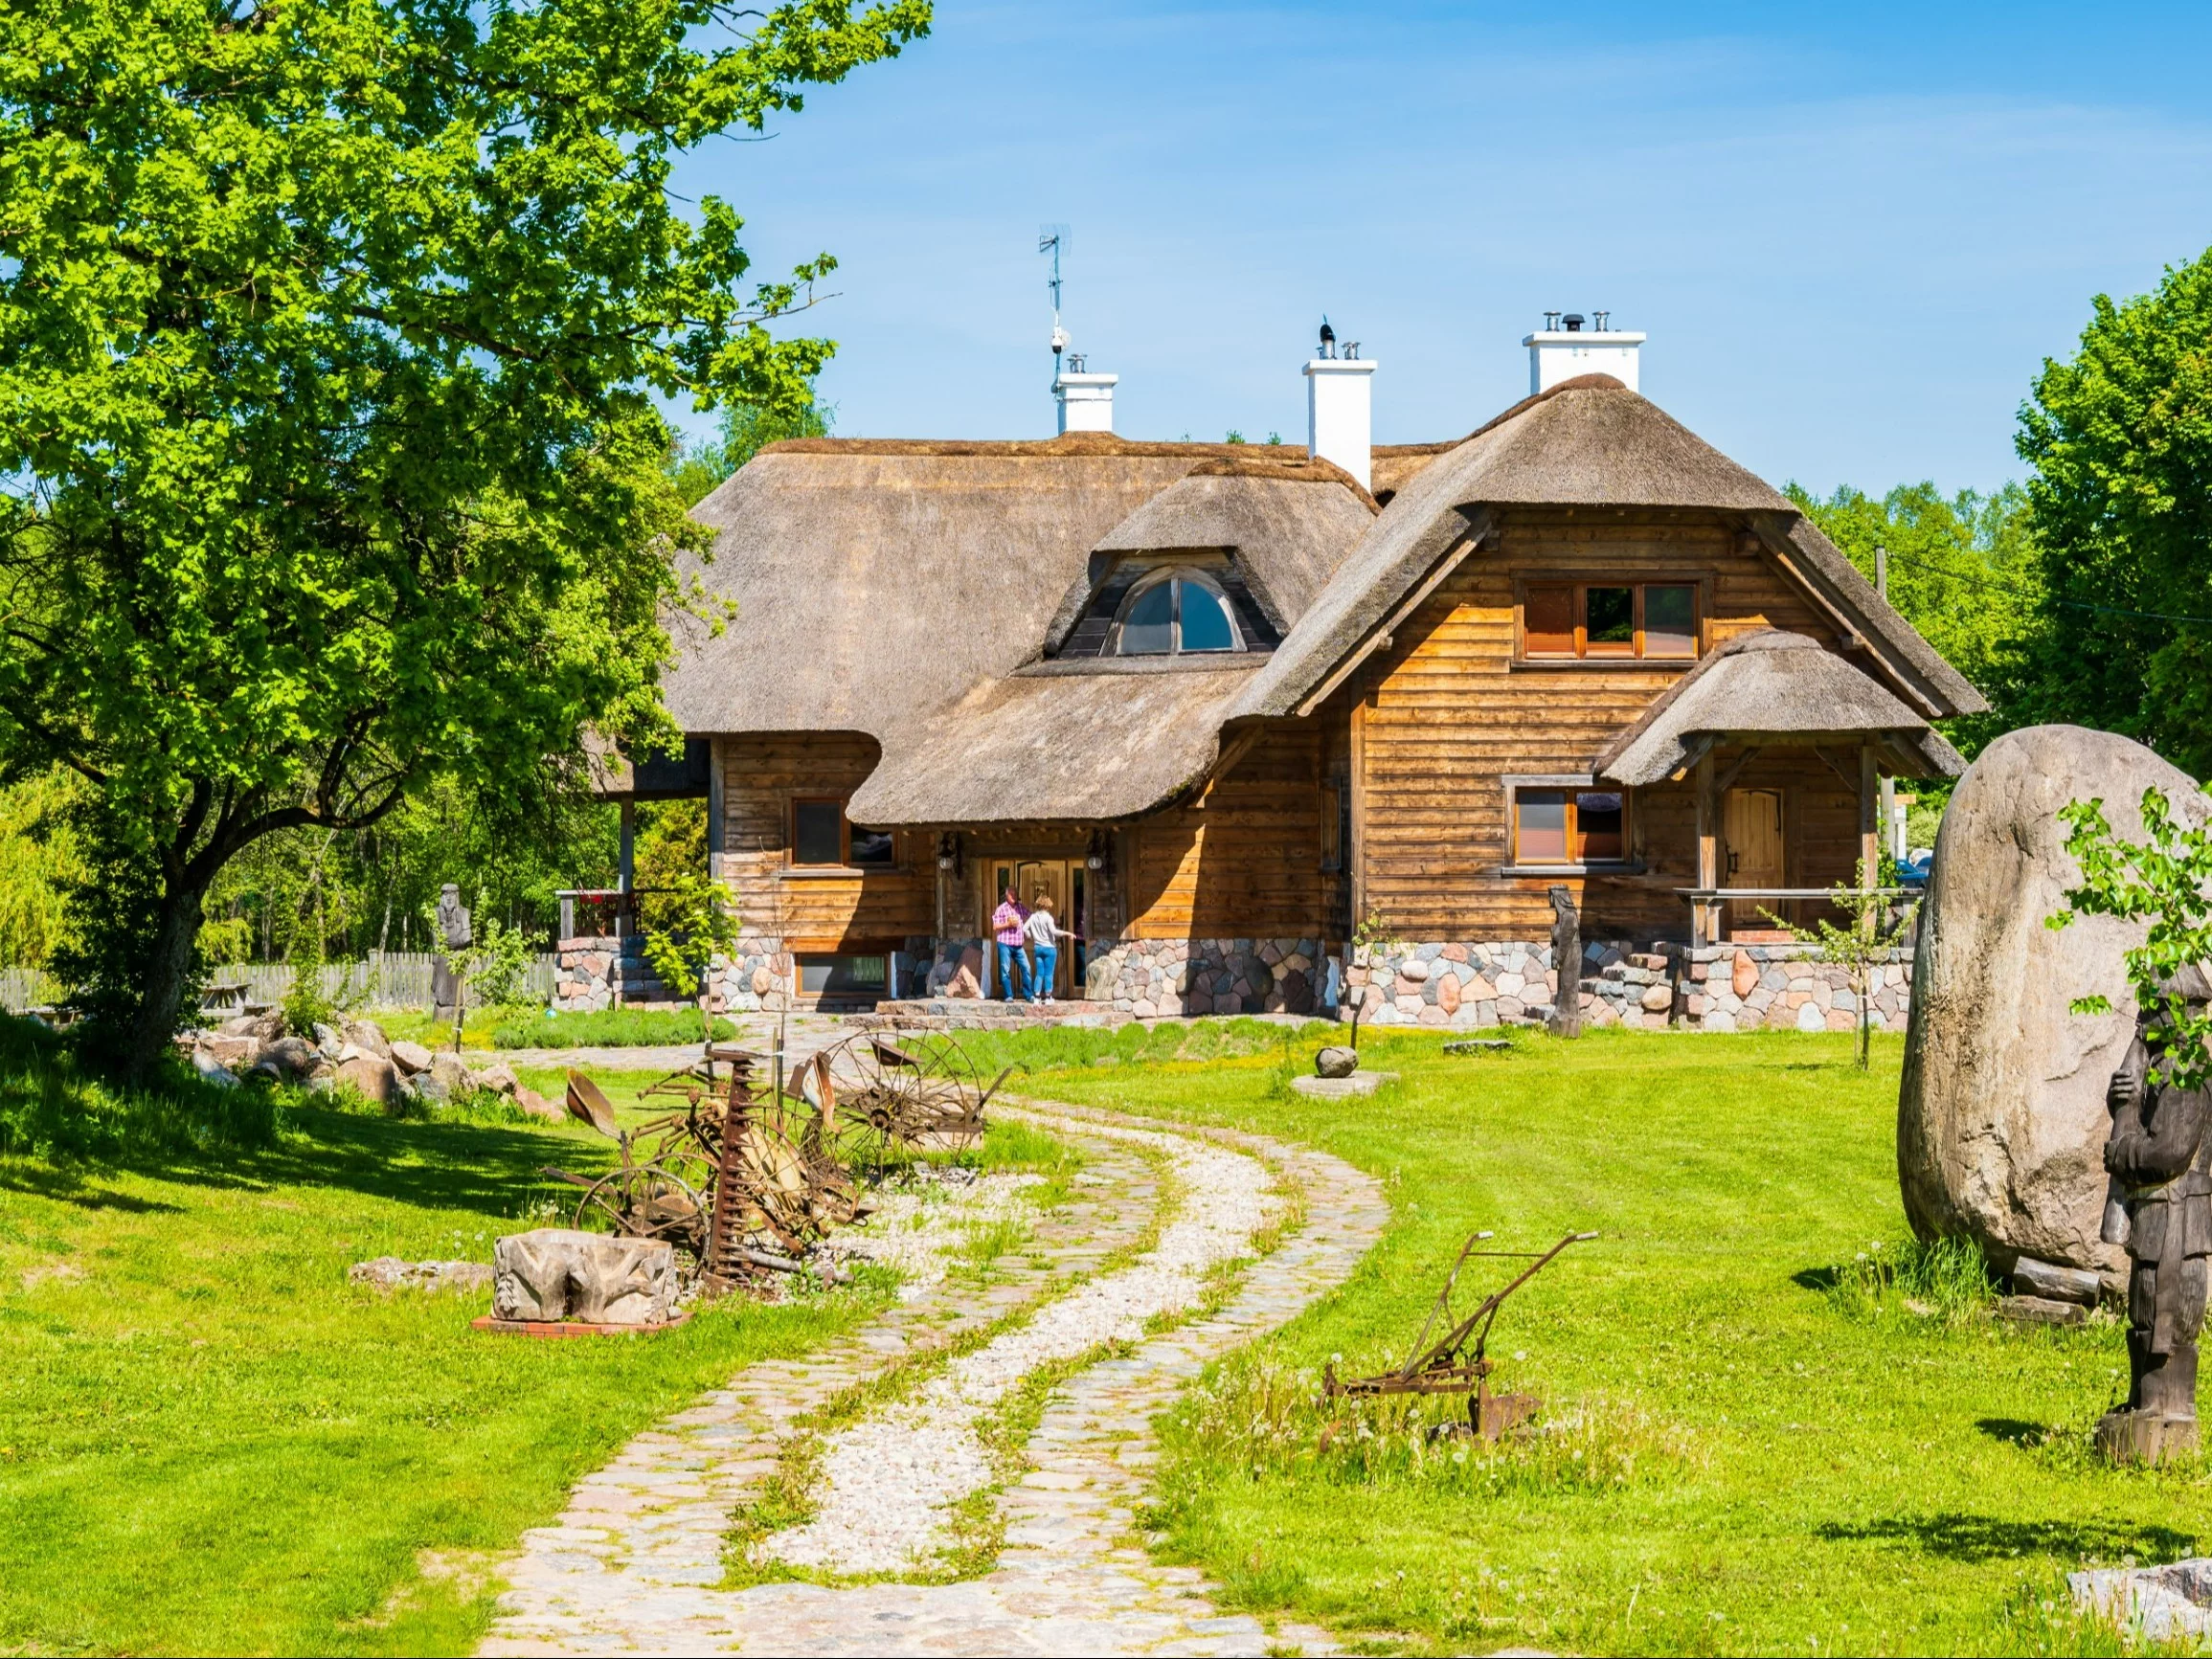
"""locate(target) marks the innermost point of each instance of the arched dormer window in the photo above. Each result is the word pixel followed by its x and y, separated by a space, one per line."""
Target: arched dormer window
pixel 1173 613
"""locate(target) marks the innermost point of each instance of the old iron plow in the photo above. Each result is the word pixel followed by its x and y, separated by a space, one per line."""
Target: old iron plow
pixel 741 1184
pixel 1446 1366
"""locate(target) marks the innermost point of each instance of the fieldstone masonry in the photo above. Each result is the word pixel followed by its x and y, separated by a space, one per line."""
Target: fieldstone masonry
pixel 1151 977
pixel 1469 986
pixel 1456 986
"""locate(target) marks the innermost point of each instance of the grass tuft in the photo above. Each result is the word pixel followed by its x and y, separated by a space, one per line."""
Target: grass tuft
pixel 608 1028
pixel 1946 1280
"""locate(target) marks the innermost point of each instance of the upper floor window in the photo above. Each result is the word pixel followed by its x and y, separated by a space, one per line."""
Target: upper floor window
pixel 1608 620
pixel 1177 611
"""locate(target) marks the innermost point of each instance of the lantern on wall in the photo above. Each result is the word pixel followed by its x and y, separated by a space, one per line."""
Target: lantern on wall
pixel 948 852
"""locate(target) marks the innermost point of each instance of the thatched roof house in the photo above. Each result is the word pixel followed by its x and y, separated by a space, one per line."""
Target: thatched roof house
pixel 1206 693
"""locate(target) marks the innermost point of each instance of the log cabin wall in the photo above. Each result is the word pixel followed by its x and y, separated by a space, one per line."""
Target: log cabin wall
pixel 760 776
pixel 1446 713
pixel 1243 861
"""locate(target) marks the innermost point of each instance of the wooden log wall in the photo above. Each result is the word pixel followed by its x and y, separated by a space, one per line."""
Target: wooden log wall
pixel 1437 721
pixel 1242 860
pixel 760 776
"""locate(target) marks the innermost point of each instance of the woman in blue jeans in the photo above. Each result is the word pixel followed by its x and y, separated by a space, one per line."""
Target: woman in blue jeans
pixel 1045 936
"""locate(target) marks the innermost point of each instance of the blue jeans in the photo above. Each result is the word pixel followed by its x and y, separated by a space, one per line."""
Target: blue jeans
pixel 1013 968
pixel 1048 956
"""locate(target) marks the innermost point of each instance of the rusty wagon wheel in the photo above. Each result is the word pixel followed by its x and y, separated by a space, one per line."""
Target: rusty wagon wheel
pixel 664 1197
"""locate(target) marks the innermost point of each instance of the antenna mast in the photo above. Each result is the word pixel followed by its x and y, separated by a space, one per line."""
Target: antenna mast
pixel 1052 239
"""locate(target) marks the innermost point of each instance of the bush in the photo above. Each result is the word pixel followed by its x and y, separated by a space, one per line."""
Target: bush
pixel 52 1106
pixel 609 1029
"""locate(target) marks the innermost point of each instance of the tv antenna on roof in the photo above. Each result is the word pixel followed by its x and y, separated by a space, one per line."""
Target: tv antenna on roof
pixel 1052 239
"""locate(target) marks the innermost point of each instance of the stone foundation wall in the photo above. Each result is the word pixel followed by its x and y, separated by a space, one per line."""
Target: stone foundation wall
pixel 761 974
pixel 1459 986
pixel 1781 988
pixel 1151 977
pixel 1466 986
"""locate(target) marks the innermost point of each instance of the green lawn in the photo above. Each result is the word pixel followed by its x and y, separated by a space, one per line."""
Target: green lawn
pixel 1736 1462
pixel 209 1442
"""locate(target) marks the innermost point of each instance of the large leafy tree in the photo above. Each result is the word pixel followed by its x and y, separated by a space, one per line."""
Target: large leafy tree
pixel 2120 439
pixel 1961 570
pixel 329 335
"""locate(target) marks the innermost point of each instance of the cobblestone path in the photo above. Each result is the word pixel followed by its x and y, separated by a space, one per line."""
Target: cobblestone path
pixel 634 1563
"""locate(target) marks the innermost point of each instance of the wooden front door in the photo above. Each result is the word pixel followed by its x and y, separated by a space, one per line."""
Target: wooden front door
pixel 1062 879
pixel 1753 854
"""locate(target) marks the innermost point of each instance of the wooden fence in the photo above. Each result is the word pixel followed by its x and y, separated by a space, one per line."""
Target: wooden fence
pixel 384 980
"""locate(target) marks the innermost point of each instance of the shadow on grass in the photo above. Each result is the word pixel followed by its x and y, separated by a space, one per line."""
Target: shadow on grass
pixel 2012 1430
pixel 1958 1536
pixel 1820 1279
pixel 480 1168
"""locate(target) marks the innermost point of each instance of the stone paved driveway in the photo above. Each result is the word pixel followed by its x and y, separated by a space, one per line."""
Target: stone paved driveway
pixel 634 1563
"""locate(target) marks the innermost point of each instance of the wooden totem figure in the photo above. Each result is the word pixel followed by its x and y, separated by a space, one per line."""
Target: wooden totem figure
pixel 2161 1159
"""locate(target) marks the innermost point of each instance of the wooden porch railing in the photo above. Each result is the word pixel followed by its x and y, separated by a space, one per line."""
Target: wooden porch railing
pixel 1706 902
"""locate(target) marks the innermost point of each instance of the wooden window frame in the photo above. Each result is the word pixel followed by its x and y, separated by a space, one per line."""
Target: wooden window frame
pixel 1569 784
pixel 843 864
pixel 1581 582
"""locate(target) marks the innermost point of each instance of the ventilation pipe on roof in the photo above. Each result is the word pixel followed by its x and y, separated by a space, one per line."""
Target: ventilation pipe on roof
pixel 1561 353
pixel 1340 406
pixel 1086 401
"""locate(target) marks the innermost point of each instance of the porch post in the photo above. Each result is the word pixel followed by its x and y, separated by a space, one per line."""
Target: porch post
pixel 629 852
pixel 1708 849
pixel 1869 829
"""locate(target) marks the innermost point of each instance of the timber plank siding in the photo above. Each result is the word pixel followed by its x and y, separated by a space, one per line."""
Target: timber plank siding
pixel 763 776
pixel 1449 714
pixel 1244 859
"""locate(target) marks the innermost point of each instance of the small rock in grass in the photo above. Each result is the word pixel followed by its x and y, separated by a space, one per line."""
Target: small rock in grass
pixel 411 1057
pixel 1337 1061
pixel 372 1078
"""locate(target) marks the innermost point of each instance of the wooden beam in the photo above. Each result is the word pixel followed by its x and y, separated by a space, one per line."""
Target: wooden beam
pixel 1702 914
pixel 1870 826
pixel 1355 856
pixel 1232 751
pixel 1736 770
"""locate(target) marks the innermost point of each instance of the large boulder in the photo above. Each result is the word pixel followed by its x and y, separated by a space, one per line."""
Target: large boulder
pixel 371 1077
pixel 558 1273
pixel 2001 1117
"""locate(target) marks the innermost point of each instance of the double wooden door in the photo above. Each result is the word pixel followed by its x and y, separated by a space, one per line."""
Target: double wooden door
pixel 1063 881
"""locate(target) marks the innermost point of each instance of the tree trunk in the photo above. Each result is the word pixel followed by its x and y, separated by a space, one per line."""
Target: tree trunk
pixel 168 969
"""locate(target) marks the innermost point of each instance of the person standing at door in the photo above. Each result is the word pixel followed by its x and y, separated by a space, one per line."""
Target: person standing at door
pixel 1045 936
pixel 1007 923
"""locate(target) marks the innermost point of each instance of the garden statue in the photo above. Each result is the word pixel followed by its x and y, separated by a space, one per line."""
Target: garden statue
pixel 455 935
pixel 2161 1159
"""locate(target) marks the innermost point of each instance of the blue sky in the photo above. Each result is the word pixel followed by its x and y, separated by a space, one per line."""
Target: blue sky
pixel 1852 234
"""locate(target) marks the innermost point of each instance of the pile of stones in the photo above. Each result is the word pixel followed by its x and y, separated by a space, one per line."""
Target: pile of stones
pixel 354 1055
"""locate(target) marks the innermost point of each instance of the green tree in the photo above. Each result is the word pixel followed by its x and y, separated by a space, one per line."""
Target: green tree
pixel 1962 570
pixel 37 860
pixel 329 337
pixel 2120 439
pixel 745 430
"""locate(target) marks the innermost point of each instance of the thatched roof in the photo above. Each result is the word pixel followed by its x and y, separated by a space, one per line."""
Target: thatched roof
pixel 876 579
pixel 1287 522
pixel 1588 442
pixel 1775 686
pixel 1054 747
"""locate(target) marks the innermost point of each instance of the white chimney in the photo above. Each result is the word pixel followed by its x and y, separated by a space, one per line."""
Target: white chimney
pixel 1564 347
pixel 1086 401
pixel 1339 410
